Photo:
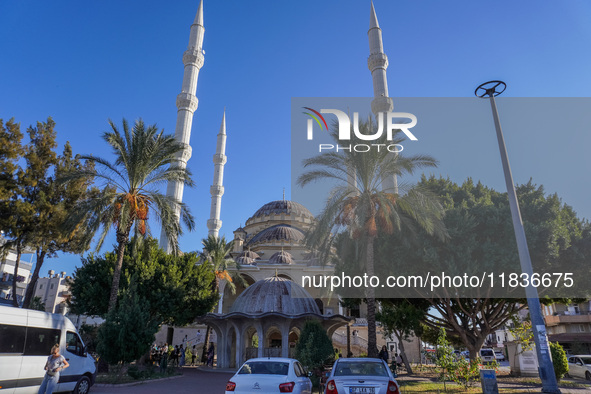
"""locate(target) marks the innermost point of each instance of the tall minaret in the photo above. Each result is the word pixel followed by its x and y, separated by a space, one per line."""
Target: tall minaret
pixel 186 102
pixel 217 189
pixel 377 62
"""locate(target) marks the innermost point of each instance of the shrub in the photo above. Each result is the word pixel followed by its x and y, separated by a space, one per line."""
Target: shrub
pixel 559 360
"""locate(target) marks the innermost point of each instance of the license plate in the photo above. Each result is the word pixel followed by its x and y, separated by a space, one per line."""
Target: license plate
pixel 362 390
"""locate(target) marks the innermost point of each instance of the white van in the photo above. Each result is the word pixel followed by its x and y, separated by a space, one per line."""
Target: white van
pixel 487 356
pixel 26 338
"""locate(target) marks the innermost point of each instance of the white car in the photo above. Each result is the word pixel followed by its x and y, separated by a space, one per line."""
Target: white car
pixel 487 356
pixel 580 366
pixel 499 356
pixel 361 376
pixel 270 375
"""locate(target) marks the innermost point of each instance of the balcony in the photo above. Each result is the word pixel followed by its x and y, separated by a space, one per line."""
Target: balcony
pixel 567 319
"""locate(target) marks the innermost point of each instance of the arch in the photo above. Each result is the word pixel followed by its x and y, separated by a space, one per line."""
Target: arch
pixel 273 341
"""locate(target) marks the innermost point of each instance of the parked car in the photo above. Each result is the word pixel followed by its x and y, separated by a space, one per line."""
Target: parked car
pixel 487 355
pixel 361 375
pixel 270 375
pixel 579 366
pixel 499 356
pixel 26 339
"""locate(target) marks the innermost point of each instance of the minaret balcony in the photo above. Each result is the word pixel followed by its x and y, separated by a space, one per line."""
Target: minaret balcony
pixel 377 60
pixel 194 57
pixel 187 101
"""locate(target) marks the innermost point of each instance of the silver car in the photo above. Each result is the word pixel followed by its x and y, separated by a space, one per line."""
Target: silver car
pixel 579 366
pixel 361 376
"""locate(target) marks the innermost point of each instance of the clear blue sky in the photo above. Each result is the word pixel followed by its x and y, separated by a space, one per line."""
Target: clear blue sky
pixel 84 62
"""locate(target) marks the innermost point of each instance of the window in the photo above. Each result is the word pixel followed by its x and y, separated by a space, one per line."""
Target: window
pixel 40 286
pixel 299 371
pixel 40 341
pixel 12 338
pixel 74 344
pixel 51 287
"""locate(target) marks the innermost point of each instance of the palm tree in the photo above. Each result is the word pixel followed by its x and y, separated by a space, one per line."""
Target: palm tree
pixel 145 160
pixel 358 203
pixel 216 251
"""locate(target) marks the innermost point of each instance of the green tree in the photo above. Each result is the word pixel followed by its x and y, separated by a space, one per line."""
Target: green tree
pixel 481 239
pixel 34 206
pixel 402 318
pixel 363 209
pixel 175 288
pixel 11 151
pixel 37 304
pixel 128 330
pixel 314 348
pixel 52 207
pixel 18 217
pixel 559 360
pixel 145 159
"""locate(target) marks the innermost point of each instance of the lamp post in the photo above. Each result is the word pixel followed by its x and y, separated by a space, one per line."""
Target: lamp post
pixel 492 89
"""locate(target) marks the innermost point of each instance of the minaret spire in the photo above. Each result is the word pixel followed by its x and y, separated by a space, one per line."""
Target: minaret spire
pixel 377 63
pixel 186 103
pixel 217 189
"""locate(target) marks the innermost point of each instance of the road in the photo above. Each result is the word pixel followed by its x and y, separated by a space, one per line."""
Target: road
pixel 193 381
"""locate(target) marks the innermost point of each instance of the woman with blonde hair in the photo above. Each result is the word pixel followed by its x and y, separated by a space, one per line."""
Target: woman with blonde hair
pixel 55 363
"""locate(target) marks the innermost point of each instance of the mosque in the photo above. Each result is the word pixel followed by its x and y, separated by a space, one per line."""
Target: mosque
pixel 265 318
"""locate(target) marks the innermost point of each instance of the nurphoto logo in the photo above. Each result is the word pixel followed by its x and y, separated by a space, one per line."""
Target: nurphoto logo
pixel 394 122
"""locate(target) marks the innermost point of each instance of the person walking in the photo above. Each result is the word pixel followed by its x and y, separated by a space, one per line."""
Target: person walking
pixel 55 363
pixel 210 354
pixel 193 355
pixel 384 354
pixel 182 356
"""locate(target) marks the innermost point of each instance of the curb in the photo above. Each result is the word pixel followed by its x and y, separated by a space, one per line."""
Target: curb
pixel 135 383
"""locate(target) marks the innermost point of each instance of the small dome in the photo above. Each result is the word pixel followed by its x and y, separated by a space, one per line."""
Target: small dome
pixel 275 295
pixel 240 230
pixel 281 206
pixel 278 233
pixel 248 257
pixel 281 258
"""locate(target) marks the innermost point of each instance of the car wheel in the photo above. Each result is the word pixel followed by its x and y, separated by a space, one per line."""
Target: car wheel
pixel 588 375
pixel 83 386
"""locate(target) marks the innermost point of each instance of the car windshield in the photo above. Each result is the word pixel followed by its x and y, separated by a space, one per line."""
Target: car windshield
pixel 486 352
pixel 362 368
pixel 264 368
pixel 586 360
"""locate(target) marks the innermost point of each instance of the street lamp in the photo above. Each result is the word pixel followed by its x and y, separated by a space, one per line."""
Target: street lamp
pixel 492 89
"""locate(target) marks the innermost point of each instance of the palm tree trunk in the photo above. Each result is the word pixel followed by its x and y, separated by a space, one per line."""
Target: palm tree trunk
pixel 30 292
pixel 372 348
pixel 122 242
pixel 15 276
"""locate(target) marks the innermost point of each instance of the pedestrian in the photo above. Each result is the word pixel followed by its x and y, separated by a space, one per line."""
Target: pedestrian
pixel 182 357
pixel 210 354
pixel 384 354
pixel 55 363
pixel 193 355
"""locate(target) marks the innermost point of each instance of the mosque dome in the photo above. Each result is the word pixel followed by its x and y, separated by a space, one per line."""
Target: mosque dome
pixel 248 257
pixel 281 207
pixel 279 233
pixel 281 258
pixel 275 294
